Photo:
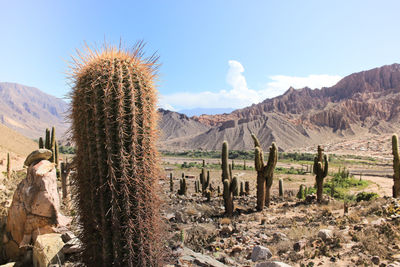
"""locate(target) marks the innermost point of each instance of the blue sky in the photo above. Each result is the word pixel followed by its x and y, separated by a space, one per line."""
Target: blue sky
pixel 214 53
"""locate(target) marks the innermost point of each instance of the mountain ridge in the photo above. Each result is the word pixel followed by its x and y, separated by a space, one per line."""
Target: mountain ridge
pixel 360 103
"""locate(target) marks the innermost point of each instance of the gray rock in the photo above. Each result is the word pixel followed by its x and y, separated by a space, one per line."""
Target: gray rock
pixel 260 253
pixel 325 234
pixel 375 260
pixel 191 257
pixel 37 155
pixel 272 264
pixel 67 236
pixel 74 245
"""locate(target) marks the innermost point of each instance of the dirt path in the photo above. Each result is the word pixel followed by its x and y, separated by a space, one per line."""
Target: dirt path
pixel 380 185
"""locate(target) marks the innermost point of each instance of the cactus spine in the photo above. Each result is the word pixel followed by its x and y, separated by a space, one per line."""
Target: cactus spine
pixel 230 184
pixel 280 187
pixel 265 172
pixel 396 166
pixel 114 128
pixel 321 171
pixel 41 144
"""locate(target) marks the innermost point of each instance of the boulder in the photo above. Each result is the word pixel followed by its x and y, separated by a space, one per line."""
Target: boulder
pixel 191 258
pixel 260 253
pixel 35 209
pixel 38 155
pixel 48 250
pixel 325 234
pixel 272 264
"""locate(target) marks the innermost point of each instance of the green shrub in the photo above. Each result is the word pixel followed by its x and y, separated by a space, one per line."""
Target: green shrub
pixel 366 196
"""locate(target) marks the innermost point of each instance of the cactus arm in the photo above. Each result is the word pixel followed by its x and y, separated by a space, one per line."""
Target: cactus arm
pixel 255 139
pixel 326 166
pixel 258 159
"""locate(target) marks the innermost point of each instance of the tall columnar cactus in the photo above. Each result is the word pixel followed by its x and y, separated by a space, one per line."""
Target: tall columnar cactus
pixel 301 194
pixel 171 183
pixel 280 187
pixel 56 160
pixel 8 166
pixel 224 162
pixel 265 172
pixel 47 140
pixel 247 188
pixel 321 171
pixel 114 117
pixel 41 144
pixel 53 144
pixel 396 166
pixel 230 185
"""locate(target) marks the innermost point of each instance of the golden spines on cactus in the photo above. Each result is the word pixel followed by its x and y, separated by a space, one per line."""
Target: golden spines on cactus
pixel 396 166
pixel 265 172
pixel 114 128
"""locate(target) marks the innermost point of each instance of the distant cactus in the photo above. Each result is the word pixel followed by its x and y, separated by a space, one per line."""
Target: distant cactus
pixel 280 187
pixel 207 194
pixel 114 127
pixel 242 193
pixel 47 143
pixel 230 184
pixel 56 151
pixel 205 182
pixel 244 164
pixel 53 144
pixel 171 183
pixel 396 166
pixel 265 172
pixel 182 187
pixel 247 188
pixel 321 171
pixel 233 164
pixel 301 194
pixel 41 144
pixel 8 166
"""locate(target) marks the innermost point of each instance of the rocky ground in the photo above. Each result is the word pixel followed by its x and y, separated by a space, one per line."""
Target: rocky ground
pixel 298 233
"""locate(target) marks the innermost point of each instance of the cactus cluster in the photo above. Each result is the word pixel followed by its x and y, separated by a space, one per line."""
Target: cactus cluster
pixel 396 166
pixel 51 144
pixel 265 172
pixel 321 171
pixel 182 186
pixel 114 117
pixel 204 180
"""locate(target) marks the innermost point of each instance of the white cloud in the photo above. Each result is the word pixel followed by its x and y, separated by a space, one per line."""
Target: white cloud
pixel 240 95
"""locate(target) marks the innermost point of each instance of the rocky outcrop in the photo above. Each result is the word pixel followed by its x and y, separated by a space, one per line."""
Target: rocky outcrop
pixel 364 102
pixel 35 210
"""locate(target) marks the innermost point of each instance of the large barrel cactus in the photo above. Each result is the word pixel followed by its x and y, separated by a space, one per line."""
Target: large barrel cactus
pixel 114 128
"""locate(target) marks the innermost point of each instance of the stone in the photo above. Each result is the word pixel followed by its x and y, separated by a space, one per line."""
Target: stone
pixel 278 236
pixel 10 264
pixel 38 155
pixel 272 264
pixel 375 260
pixel 191 258
pixel 299 245
pixel 325 234
pixel 73 246
pixel 47 250
pixel 67 236
pixel 35 209
pixel 260 253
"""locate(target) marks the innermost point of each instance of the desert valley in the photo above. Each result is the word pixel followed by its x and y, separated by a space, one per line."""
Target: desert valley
pixel 213 210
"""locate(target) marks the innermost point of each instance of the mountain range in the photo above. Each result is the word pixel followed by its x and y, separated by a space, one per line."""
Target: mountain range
pixel 366 102
pixel 363 103
pixel 29 111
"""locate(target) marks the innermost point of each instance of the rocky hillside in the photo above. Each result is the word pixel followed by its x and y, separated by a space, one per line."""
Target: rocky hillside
pixel 29 111
pixel 360 104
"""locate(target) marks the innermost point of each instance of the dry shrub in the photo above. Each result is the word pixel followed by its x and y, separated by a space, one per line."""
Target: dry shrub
pixel 354 217
pixel 225 221
pixel 301 232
